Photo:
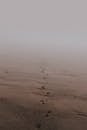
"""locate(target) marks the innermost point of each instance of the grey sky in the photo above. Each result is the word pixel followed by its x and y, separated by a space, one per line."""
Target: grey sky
pixel 33 30
pixel 53 28
pixel 63 17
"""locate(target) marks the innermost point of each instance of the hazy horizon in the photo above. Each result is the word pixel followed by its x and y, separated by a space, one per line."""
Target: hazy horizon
pixel 53 31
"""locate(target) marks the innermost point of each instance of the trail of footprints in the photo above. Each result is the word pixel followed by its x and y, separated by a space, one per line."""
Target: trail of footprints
pixel 45 96
pixel 44 85
pixel 22 112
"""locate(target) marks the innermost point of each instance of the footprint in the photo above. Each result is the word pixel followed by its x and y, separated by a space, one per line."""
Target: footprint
pixel 42 101
pixel 44 78
pixel 6 71
pixel 48 113
pixel 38 125
pixel 47 93
pixel 43 87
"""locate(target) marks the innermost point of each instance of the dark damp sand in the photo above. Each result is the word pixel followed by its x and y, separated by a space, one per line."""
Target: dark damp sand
pixel 42 100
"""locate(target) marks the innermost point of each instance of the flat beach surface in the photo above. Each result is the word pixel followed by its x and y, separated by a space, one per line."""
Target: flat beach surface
pixel 42 98
pixel 43 64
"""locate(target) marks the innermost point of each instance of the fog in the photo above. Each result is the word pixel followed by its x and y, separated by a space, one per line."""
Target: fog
pixel 43 64
pixel 66 51
pixel 54 32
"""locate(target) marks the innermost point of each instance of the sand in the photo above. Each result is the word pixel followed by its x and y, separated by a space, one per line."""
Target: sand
pixel 42 100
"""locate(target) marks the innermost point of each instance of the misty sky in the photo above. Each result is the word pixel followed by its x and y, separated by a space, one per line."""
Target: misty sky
pixel 48 22
pixel 19 18
pixel 57 27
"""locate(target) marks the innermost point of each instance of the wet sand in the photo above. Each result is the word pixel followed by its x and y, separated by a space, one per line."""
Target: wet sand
pixel 42 99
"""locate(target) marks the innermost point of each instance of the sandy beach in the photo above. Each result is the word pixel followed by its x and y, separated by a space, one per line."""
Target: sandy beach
pixel 42 99
pixel 43 64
